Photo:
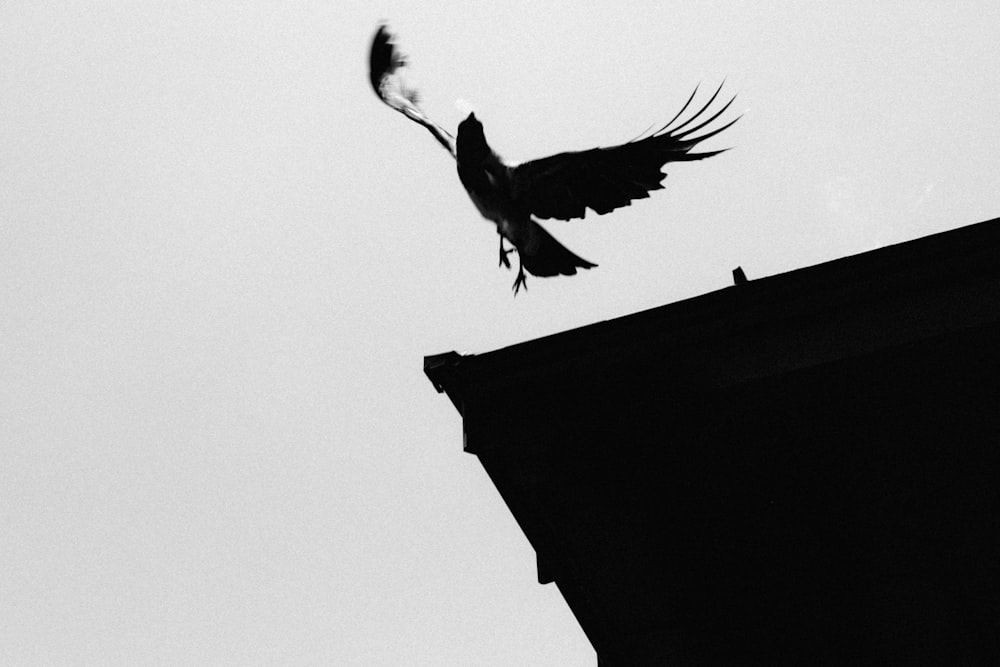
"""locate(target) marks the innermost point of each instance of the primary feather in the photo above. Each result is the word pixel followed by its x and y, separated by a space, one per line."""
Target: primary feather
pixel 384 63
pixel 565 185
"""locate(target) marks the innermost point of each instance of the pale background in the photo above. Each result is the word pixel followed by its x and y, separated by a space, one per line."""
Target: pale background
pixel 222 261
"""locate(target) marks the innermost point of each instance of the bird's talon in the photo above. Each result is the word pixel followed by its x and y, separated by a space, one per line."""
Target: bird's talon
pixel 503 254
pixel 521 280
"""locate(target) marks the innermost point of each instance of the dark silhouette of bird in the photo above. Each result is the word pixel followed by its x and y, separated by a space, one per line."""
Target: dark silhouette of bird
pixel 561 186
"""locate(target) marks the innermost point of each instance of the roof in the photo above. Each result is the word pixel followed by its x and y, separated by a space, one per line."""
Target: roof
pixel 800 461
pixel 834 310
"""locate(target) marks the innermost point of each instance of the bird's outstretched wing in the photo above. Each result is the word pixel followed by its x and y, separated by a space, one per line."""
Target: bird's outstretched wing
pixel 384 63
pixel 565 185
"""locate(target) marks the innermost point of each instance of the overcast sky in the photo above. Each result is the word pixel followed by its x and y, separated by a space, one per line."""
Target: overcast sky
pixel 222 261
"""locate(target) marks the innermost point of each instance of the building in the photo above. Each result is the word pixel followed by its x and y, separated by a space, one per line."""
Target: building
pixel 798 470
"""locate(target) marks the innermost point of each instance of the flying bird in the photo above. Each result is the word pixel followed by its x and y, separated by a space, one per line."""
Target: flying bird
pixel 561 186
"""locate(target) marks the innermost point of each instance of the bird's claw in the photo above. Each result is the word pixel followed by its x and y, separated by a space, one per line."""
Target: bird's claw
pixel 503 254
pixel 519 281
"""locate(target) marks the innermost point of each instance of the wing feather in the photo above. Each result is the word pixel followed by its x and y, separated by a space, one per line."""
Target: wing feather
pixel 565 185
pixel 384 61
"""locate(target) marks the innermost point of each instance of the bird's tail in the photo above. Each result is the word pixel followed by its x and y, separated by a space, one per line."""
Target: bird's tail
pixel 542 255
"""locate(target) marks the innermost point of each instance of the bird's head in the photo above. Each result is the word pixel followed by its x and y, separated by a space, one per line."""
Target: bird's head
pixel 471 140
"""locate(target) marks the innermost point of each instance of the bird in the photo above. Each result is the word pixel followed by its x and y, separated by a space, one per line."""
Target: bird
pixel 562 186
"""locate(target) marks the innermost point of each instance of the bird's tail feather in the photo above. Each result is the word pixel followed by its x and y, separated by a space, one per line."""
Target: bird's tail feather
pixel 542 255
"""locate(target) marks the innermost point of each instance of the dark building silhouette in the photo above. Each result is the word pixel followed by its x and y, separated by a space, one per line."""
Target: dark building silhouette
pixel 796 470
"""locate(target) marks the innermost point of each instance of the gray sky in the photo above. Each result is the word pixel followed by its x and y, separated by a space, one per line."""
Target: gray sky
pixel 222 261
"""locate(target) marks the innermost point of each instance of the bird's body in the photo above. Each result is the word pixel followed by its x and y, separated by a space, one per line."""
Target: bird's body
pixel 490 185
pixel 560 186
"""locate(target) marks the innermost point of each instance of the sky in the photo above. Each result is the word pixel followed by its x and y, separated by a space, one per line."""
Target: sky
pixel 222 262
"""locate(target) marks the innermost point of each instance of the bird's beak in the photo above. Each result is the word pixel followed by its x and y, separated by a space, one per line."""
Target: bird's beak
pixel 472 116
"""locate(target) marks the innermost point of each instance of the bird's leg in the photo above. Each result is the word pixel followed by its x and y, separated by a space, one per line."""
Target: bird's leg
pixel 504 252
pixel 521 278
